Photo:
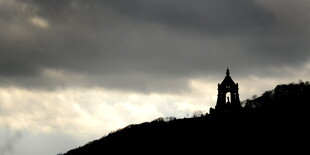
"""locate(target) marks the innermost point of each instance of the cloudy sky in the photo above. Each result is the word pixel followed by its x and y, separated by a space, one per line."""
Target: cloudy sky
pixel 72 71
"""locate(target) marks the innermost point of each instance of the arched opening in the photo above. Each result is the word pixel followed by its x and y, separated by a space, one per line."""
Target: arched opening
pixel 228 97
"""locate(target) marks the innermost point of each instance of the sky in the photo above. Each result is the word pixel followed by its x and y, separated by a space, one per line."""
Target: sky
pixel 72 71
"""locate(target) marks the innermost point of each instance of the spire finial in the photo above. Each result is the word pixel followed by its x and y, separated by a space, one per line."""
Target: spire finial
pixel 227 71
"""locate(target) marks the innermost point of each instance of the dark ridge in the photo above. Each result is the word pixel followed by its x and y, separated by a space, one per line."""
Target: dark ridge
pixel 275 122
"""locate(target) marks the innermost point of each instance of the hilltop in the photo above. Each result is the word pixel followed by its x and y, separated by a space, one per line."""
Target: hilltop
pixel 275 121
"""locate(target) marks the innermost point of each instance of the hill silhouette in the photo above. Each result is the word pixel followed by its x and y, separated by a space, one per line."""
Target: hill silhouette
pixel 274 122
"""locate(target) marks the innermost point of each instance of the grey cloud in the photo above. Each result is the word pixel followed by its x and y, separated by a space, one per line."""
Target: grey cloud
pixel 10 139
pixel 145 45
pixel 15 142
pixel 213 16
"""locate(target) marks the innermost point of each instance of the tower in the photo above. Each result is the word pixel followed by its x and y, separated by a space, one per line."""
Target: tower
pixel 227 86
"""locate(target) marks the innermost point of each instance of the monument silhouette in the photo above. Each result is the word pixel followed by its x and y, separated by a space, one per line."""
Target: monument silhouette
pixel 227 86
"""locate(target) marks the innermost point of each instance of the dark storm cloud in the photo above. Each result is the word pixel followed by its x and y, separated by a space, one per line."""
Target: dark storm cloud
pixel 213 16
pixel 144 45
